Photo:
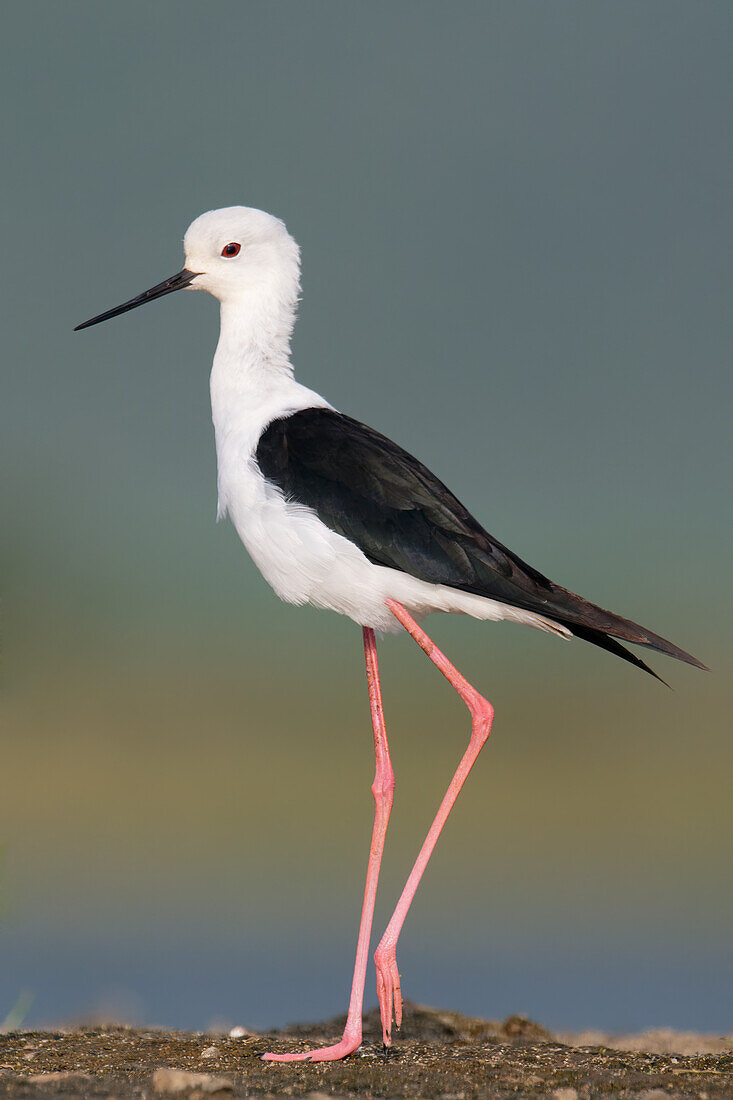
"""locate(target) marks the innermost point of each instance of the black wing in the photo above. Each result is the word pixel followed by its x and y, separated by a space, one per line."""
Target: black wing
pixel 365 487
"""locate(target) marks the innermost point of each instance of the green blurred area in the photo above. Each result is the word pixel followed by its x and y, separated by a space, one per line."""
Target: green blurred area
pixel 582 789
pixel 516 233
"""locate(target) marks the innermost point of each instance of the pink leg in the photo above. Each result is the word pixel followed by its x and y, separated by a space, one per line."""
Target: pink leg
pixel 482 715
pixel 383 791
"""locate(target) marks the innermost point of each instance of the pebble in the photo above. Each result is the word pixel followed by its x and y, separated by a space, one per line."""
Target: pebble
pixel 210 1052
pixel 180 1080
pixel 240 1033
pixel 58 1078
pixel 565 1094
pixel 325 1096
pixel 654 1094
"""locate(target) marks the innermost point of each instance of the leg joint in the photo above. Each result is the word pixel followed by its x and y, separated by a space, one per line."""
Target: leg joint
pixel 482 715
pixel 383 786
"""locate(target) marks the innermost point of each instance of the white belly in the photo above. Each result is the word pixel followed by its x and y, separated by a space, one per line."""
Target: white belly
pixel 298 555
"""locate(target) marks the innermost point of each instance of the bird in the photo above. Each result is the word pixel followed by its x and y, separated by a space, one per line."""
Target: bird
pixel 336 515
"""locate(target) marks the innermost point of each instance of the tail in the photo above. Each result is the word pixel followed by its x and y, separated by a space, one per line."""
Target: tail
pixel 601 628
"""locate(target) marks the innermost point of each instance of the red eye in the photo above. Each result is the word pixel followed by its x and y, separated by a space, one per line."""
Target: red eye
pixel 230 249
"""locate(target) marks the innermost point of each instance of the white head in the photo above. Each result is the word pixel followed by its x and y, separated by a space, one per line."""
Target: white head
pixel 238 254
pixel 238 250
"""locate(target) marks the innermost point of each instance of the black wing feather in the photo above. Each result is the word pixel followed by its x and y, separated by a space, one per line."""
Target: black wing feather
pixel 365 487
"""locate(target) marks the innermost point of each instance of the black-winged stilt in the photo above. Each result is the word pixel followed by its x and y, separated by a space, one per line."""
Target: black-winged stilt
pixel 336 515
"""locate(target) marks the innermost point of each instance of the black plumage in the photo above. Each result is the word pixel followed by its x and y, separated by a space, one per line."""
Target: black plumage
pixel 365 487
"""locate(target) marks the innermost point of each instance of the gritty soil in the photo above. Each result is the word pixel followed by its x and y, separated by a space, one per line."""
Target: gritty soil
pixel 437 1056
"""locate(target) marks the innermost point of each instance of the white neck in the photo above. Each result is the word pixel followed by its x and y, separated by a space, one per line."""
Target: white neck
pixel 252 360
pixel 256 331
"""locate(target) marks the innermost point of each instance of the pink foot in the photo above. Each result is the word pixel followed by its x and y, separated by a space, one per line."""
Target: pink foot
pixel 348 1045
pixel 389 992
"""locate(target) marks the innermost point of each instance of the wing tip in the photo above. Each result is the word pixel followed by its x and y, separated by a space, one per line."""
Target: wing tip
pixel 581 614
pixel 661 645
pixel 611 645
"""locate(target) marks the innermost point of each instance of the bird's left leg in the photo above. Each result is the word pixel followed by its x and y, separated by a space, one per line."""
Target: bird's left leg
pixel 383 791
pixel 482 716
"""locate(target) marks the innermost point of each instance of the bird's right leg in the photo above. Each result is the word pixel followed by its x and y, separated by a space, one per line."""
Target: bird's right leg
pixel 482 716
pixel 383 791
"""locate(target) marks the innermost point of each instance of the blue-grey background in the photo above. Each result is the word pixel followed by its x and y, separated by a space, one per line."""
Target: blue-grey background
pixel 516 230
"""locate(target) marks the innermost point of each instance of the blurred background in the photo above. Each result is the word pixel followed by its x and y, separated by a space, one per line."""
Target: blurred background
pixel 516 231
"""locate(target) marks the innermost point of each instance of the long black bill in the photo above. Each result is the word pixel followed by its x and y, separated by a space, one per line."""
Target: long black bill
pixel 176 282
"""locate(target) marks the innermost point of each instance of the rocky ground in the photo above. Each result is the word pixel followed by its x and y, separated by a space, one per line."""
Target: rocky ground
pixel 437 1056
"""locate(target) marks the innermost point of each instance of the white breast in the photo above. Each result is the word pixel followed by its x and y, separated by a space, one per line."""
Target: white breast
pixel 298 555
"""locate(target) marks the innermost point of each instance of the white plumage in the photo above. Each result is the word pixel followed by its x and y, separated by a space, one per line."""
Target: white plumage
pixel 252 384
